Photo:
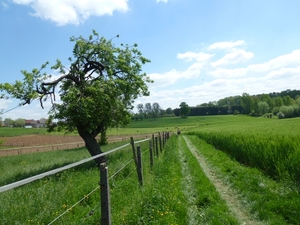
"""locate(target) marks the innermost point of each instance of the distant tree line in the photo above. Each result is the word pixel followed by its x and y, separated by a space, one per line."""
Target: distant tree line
pixel 20 122
pixel 151 111
pixel 285 104
pixel 12 123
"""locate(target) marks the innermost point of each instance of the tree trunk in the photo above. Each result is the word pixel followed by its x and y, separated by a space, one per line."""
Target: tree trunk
pixel 92 145
pixel 103 138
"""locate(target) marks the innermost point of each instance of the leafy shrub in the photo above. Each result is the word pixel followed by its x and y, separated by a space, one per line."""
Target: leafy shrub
pixel 1 142
pixel 236 112
pixel 254 114
pixel 268 115
pixel 288 111
pixel 280 115
pixel 275 110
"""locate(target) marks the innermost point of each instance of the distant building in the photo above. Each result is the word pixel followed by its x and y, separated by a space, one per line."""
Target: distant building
pixel 35 123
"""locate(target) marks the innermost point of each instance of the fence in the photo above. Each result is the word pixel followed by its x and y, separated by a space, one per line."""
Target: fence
pixel 156 144
pixel 18 148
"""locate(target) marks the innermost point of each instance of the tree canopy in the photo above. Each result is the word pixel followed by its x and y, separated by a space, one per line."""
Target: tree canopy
pixel 96 91
pixel 184 109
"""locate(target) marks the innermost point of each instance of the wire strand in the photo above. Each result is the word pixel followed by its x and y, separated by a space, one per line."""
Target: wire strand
pixel 120 169
pixel 3 112
pixel 85 196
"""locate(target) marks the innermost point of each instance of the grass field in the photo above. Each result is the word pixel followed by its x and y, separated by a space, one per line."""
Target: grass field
pixel 259 158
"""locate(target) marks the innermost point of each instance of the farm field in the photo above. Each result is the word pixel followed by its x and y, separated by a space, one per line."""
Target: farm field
pixel 196 179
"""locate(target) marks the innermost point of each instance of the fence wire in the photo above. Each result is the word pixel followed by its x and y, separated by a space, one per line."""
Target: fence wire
pixel 85 196
pixel 40 176
pixel 51 172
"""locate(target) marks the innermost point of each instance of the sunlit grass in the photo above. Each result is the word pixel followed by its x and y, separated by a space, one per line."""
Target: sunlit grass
pixel 270 201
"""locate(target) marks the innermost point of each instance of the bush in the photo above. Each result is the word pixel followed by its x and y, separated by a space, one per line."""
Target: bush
pixel 236 112
pixel 280 115
pixel 275 110
pixel 288 111
pixel 1 142
pixel 268 115
pixel 254 114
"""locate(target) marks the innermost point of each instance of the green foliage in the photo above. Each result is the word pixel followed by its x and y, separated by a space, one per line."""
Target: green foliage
pixel 19 122
pixel 270 145
pixel 236 112
pixel 263 108
pixel 271 201
pixel 280 115
pixel 96 91
pixel 184 109
pixel 287 111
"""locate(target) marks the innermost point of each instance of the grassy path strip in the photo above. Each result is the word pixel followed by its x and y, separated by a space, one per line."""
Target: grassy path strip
pixel 189 189
pixel 205 206
pixel 268 200
pixel 227 193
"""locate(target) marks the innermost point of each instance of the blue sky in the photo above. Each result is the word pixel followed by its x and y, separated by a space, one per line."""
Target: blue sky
pixel 200 50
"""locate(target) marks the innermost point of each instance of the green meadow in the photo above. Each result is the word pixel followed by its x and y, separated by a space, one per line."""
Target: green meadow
pixel 256 157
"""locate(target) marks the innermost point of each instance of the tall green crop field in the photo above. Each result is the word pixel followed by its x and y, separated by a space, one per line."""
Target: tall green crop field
pixel 271 145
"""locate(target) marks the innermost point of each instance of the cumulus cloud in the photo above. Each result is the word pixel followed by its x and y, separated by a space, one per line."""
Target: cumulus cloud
pixel 64 12
pixel 206 80
pixel 165 1
pixel 189 56
pixel 235 57
pixel 226 45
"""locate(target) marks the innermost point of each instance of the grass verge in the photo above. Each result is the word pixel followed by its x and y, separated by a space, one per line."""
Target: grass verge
pixel 270 201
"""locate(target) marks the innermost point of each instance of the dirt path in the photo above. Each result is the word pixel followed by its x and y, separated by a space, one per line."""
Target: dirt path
pixel 228 194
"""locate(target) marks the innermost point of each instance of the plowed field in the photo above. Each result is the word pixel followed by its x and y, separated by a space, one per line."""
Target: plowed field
pixel 37 143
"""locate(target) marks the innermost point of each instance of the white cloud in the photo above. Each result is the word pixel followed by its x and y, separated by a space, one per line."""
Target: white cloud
pixel 226 45
pixel 4 104
pixel 189 56
pixel 276 74
pixel 64 12
pixel 235 57
pixel 165 1
pixel 290 59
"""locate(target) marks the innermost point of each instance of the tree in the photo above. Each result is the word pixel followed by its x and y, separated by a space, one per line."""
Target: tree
pixel 246 103
pixel 169 111
pixel 97 90
pixel 8 122
pixel 19 122
pixel 263 108
pixel 141 113
pixel 155 110
pixel 184 109
pixel 148 109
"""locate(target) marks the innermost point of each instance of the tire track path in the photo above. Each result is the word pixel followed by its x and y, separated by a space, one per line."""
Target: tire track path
pixel 228 194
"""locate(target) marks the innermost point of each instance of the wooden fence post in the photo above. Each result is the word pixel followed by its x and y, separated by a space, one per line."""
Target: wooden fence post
pixel 160 142
pixel 151 154
pixel 133 149
pixel 156 145
pixel 105 195
pixel 140 165
pixel 153 141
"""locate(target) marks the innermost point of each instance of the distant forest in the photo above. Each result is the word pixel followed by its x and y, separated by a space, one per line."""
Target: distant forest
pixel 284 104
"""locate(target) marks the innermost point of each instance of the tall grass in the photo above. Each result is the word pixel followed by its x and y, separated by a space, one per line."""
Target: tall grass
pixel 159 201
pixel 270 201
pixel 270 145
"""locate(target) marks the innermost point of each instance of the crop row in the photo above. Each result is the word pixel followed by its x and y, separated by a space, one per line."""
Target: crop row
pixel 273 148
